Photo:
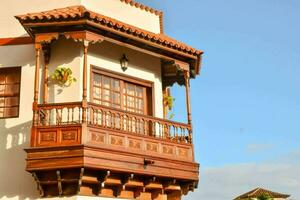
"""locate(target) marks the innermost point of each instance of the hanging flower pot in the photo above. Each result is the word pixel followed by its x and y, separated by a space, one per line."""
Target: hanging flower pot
pixel 63 76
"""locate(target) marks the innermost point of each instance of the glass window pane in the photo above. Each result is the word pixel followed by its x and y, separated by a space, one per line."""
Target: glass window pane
pixel 1 112
pixel 97 92
pixel 116 98
pixel 106 95
pixel 116 84
pixel 139 91
pixel 2 101
pixel 12 112
pixel 2 78
pixel 97 80
pixel 11 101
pixel 130 102
pixel 130 89
pixel 106 82
pixel 2 89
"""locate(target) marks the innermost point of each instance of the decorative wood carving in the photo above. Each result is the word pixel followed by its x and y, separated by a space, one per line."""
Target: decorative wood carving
pixel 135 144
pixel 84 35
pixel 97 137
pixel 152 147
pixel 116 140
pixel 168 149
pixel 46 37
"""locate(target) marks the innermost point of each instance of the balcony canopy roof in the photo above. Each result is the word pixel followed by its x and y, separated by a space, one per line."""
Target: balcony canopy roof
pixel 79 18
pixel 257 192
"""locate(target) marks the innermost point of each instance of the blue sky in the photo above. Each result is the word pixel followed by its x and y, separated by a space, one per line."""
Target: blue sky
pixel 246 102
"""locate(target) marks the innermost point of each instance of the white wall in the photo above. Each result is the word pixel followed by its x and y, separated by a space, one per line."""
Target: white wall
pixel 106 55
pixel 66 53
pixel 112 8
pixel 10 8
pixel 125 13
pixel 15 182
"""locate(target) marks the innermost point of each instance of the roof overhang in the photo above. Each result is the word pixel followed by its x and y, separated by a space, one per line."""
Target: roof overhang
pixel 78 19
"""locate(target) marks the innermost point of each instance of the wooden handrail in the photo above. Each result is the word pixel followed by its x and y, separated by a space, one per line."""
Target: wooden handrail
pixel 70 113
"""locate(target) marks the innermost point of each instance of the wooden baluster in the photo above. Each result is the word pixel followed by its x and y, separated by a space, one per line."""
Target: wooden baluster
pixel 68 117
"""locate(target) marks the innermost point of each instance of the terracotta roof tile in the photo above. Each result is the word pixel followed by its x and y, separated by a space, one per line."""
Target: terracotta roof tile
pixel 142 6
pixel 260 191
pixel 80 12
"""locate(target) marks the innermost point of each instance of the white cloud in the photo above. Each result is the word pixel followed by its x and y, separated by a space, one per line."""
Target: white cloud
pixel 227 182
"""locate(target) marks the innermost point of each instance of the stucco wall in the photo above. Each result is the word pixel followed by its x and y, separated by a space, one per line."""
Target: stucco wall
pixel 66 53
pixel 125 13
pixel 15 182
pixel 112 8
pixel 106 55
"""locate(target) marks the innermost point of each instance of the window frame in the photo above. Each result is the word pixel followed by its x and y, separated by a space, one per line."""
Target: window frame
pixel 15 94
pixel 149 85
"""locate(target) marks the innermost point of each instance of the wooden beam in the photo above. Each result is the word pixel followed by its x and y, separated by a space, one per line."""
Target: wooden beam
pixel 16 41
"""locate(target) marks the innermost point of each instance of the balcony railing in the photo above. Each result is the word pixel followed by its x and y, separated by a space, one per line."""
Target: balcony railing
pixel 94 115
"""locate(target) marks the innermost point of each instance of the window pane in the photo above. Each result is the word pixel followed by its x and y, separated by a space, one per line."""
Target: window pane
pixel 97 80
pixel 1 112
pixel 116 98
pixel 139 91
pixel 97 92
pixel 130 102
pixel 12 89
pixel 12 112
pixel 130 89
pixel 2 89
pixel 106 82
pixel 2 101
pixel 11 101
pixel 116 85
pixel 106 95
pixel 2 78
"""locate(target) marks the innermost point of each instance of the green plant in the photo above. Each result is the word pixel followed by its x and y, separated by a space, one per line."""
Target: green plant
pixel 63 76
pixel 265 197
pixel 169 102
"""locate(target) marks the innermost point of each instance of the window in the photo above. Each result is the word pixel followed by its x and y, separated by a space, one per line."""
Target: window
pixel 119 91
pixel 9 92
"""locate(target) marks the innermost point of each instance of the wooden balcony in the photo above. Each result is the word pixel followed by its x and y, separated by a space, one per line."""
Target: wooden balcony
pixel 84 148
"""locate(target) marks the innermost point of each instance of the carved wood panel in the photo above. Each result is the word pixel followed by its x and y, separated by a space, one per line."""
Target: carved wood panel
pixel 58 136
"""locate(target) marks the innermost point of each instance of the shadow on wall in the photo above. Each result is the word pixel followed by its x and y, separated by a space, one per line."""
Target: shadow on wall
pixel 15 182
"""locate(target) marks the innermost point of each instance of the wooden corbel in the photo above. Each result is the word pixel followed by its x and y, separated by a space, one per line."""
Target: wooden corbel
pixel 81 36
pixel 46 37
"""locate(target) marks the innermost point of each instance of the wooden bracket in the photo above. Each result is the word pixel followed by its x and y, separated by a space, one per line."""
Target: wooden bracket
pixel 46 37
pixel 38 184
pixel 81 36
pixel 59 185
pixel 80 179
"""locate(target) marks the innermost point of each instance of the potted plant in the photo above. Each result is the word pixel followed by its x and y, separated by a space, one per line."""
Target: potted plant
pixel 168 102
pixel 63 76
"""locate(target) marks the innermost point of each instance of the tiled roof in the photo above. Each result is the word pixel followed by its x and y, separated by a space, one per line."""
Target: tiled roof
pixel 142 6
pixel 80 12
pixel 260 191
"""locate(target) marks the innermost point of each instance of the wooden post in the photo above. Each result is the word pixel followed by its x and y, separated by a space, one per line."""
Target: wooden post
pixel 46 50
pixel 188 103
pixel 37 72
pixel 187 94
pixel 84 81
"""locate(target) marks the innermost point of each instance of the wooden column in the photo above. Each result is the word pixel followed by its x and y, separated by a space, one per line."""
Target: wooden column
pixel 187 94
pixel 84 81
pixel 46 51
pixel 37 72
